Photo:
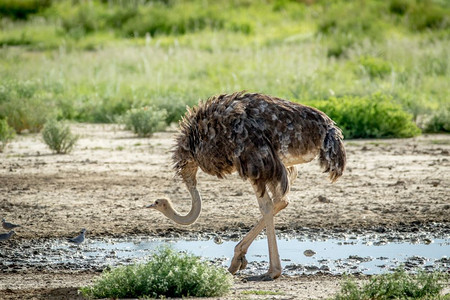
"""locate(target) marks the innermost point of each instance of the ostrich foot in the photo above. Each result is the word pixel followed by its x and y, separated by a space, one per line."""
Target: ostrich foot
pixel 264 277
pixel 239 262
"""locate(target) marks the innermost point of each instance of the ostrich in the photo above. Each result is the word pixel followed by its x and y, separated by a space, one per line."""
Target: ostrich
pixel 262 138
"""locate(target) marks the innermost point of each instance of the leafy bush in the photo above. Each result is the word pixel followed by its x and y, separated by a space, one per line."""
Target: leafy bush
pixel 104 110
pixel 21 9
pixel 6 134
pixel 173 105
pixel 145 121
pixel 26 114
pixel 58 136
pixel 399 7
pixel 427 15
pixel 24 105
pixel 375 67
pixel 345 25
pixel 167 274
pixel 339 44
pixel 82 19
pixel 421 15
pixel 397 285
pixel 120 15
pixel 372 117
pixel 137 19
pixel 177 19
pixel 439 122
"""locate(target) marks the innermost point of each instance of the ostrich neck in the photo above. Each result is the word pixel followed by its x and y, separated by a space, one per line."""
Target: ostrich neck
pixel 193 214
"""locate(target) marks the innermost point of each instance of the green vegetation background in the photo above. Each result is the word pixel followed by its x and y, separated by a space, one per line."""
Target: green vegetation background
pixel 378 68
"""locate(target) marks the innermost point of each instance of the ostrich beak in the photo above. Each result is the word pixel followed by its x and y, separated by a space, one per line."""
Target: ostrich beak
pixel 150 205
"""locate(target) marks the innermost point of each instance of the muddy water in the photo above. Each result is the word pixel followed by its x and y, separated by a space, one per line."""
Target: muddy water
pixel 300 253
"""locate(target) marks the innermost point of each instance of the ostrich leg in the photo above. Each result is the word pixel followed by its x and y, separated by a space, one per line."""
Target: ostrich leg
pixel 266 206
pixel 239 262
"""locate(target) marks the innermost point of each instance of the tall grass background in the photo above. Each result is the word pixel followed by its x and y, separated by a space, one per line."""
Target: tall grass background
pixel 92 61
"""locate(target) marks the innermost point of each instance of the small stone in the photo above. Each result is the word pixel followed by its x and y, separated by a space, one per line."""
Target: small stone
pixel 427 241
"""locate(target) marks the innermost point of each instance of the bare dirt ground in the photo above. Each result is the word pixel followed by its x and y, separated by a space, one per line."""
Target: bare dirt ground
pixel 105 182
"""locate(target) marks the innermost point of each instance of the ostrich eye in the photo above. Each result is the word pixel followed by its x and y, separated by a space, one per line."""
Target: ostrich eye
pixel 156 202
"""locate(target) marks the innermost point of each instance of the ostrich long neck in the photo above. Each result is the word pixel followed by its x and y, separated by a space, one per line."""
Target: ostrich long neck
pixel 193 214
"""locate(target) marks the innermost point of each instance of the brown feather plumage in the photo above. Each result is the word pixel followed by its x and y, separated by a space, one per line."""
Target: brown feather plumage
pixel 258 136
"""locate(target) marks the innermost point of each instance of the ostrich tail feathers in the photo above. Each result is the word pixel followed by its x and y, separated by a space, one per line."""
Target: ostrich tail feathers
pixel 332 154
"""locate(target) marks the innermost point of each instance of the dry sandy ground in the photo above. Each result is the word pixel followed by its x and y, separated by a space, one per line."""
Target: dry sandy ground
pixel 65 286
pixel 104 183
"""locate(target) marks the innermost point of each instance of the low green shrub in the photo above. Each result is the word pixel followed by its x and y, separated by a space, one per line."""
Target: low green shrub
pixel 58 136
pixel 104 110
pixel 420 15
pixel 399 7
pixel 145 121
pixel 439 122
pixel 119 15
pixel 369 117
pixel 26 104
pixel 375 67
pixel 396 285
pixel 174 105
pixel 82 19
pixel 26 114
pixel 345 25
pixel 7 133
pixel 21 9
pixel 426 15
pixel 167 274
pixel 178 19
pixel 21 40
pixel 339 44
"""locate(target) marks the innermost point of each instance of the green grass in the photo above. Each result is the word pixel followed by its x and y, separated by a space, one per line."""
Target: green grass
pixel 167 274
pixel 7 134
pixel 396 285
pixel 93 61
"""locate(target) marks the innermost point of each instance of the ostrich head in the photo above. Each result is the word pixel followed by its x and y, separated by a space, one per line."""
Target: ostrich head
pixel 164 205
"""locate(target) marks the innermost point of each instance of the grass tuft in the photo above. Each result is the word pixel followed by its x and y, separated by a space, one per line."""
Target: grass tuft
pixel 375 67
pixel 396 285
pixel 7 133
pixel 145 121
pixel 167 274
pixel 58 137
pixel 439 122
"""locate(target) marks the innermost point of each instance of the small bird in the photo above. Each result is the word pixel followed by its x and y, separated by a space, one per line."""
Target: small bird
pixel 78 239
pixel 7 225
pixel 6 236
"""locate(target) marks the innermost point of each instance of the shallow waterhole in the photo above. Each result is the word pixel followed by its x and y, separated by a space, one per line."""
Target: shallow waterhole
pixel 354 254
